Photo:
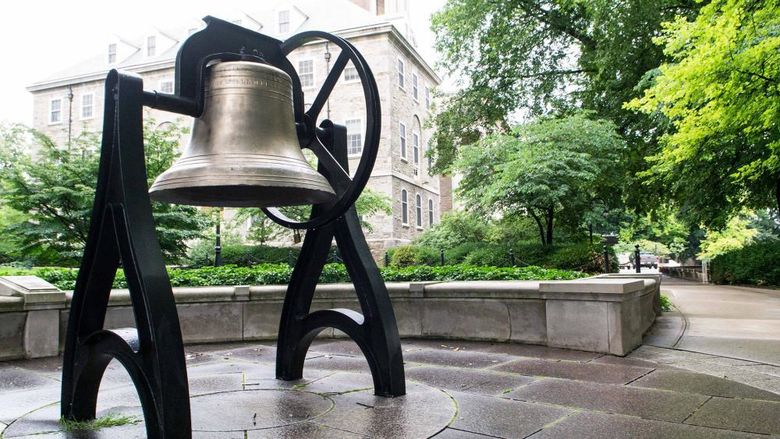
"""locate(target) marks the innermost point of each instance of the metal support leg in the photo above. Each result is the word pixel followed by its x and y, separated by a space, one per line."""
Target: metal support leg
pixel 122 227
pixel 375 330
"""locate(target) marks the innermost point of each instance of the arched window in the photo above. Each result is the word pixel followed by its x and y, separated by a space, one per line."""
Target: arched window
pixel 430 211
pixel 404 207
pixel 418 210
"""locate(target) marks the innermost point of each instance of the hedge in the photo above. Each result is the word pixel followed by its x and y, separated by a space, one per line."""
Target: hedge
pixel 578 256
pixel 754 264
pixel 277 274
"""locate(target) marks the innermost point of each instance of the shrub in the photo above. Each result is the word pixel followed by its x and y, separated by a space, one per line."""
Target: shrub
pixel 408 255
pixel 756 264
pixel 202 254
pixel 489 255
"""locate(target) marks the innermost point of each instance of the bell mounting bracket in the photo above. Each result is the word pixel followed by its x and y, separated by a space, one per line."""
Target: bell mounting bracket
pixel 122 233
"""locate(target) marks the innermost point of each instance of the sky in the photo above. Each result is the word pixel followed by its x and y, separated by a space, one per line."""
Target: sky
pixel 39 37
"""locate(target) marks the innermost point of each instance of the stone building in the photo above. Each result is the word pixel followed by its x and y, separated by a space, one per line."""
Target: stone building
pixel 72 99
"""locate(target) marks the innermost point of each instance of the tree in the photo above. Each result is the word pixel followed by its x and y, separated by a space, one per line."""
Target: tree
pixel 547 169
pixel 54 188
pixel 721 92
pixel 734 236
pixel 541 57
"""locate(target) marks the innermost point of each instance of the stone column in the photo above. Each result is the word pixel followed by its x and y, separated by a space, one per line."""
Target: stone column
pixel 42 302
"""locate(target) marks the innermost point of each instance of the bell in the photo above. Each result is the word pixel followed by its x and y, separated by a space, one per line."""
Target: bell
pixel 244 150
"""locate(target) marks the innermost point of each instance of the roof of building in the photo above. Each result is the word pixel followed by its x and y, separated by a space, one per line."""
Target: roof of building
pixel 313 15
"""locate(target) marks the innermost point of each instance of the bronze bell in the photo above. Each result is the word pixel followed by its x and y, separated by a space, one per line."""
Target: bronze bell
pixel 244 150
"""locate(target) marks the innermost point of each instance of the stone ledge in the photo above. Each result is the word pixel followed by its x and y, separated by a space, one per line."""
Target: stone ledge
pixel 607 314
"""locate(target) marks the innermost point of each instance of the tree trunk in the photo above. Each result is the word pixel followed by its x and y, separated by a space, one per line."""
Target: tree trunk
pixel 538 223
pixel 549 217
pixel 777 193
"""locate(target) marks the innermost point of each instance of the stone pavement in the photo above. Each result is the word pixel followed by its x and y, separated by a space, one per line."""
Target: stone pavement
pixel 455 390
pixel 726 331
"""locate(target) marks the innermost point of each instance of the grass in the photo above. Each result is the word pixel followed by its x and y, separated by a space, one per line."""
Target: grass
pixel 110 420
pixel 666 304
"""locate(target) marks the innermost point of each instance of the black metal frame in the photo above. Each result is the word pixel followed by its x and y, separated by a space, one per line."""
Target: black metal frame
pixel 122 231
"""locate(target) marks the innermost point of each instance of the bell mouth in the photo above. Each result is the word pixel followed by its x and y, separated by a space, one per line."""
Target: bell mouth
pixel 242 196
pixel 241 180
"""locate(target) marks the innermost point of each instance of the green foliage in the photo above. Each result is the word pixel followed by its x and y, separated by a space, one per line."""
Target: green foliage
pixel 202 254
pixel 734 236
pixel 720 91
pixel 408 255
pixel 262 229
pixel 456 227
pixel 540 57
pixel 110 420
pixel 53 186
pixel 757 264
pixel 548 169
pixel 579 256
pixel 665 303
pixel 279 274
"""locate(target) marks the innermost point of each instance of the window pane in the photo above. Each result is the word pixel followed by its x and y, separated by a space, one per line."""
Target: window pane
pixel 418 210
pixel 86 106
pixel 354 136
pixel 403 140
pixel 151 45
pixel 404 207
pixel 416 148
pixel 350 74
pixel 306 73
pixel 430 212
pixel 401 73
pixel 55 113
pixel 111 53
pixel 414 86
pixel 284 22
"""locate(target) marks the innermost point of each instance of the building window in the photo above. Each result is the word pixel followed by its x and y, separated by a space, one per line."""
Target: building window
pixel 166 86
pixel 416 148
pixel 415 90
pixel 401 74
pixel 351 74
pixel 112 53
pixel 55 111
pixel 402 138
pixel 430 158
pixel 427 97
pixel 354 136
pixel 284 22
pixel 404 207
pixel 306 73
pixel 151 45
pixel 430 212
pixel 418 210
pixel 87 106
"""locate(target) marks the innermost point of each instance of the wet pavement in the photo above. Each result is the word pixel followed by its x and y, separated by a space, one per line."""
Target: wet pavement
pixel 721 330
pixel 454 390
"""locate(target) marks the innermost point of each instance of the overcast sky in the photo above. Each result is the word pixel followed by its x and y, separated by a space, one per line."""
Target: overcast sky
pixel 39 37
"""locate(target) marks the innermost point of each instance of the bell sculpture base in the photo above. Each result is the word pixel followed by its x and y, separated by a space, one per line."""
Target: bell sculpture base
pixel 375 330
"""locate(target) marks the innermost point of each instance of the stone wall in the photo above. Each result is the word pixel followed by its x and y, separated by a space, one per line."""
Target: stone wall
pixel 601 314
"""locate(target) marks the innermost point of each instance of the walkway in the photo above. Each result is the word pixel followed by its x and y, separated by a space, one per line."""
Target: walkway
pixel 725 331
pixel 455 390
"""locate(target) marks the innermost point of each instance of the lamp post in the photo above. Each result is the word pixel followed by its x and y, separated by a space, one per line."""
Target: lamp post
pixel 218 240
